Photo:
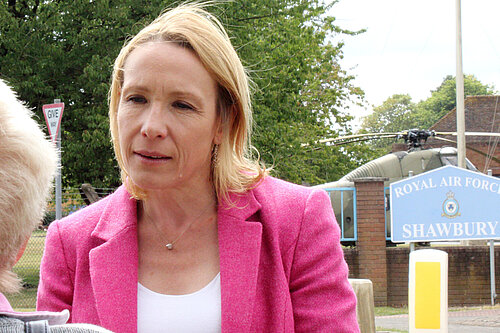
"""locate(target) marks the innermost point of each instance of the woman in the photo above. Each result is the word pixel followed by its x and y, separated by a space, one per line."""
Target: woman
pixel 199 238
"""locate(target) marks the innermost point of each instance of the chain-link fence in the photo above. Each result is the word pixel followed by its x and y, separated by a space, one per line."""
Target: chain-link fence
pixel 28 267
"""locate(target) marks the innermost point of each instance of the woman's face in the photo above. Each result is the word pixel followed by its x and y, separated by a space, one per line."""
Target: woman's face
pixel 167 117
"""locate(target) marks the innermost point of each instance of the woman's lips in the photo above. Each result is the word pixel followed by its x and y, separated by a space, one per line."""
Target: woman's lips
pixel 152 156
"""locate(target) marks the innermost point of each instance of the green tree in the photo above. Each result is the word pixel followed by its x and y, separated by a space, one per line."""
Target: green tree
pixel 394 115
pixel 444 99
pixel 65 49
pixel 301 88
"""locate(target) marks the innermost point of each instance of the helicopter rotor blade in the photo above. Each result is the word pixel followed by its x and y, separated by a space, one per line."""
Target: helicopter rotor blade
pixel 403 134
pixel 473 149
pixel 355 138
pixel 469 133
pixel 340 143
pixel 393 134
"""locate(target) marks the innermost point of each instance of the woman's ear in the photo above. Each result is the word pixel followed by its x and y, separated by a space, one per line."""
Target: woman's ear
pixel 21 250
pixel 218 134
pixel 219 130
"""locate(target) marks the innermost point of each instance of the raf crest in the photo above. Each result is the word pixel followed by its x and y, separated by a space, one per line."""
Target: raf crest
pixel 450 206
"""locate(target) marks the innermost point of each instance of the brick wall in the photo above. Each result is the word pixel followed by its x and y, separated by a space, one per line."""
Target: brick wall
pixel 351 256
pixel 371 235
pixel 398 262
pixel 468 274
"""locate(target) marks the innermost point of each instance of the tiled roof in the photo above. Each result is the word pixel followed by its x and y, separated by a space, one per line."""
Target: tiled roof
pixel 482 114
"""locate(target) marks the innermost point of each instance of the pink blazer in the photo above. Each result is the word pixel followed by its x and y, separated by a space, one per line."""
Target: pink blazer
pixel 281 265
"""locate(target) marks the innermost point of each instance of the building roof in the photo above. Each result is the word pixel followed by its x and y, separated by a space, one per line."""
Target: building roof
pixel 482 114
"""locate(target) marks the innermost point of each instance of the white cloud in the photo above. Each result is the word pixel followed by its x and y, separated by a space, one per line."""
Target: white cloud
pixel 410 46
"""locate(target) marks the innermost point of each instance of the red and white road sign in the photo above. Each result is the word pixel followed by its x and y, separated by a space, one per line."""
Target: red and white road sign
pixel 53 115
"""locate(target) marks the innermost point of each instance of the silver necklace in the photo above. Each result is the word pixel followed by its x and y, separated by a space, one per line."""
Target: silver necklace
pixel 170 245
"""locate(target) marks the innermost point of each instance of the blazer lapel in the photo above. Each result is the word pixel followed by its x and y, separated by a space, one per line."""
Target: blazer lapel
pixel 113 264
pixel 239 246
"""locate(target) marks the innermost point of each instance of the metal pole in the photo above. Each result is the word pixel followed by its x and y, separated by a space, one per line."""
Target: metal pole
pixel 58 175
pixel 492 264
pixel 492 272
pixel 412 244
pixel 460 93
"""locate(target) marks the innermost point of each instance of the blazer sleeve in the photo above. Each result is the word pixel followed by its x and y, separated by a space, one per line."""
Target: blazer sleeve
pixel 55 290
pixel 322 298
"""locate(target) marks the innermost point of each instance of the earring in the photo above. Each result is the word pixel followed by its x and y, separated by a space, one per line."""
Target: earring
pixel 214 156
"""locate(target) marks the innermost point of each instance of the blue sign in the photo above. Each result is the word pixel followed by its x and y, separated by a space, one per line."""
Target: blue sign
pixel 448 203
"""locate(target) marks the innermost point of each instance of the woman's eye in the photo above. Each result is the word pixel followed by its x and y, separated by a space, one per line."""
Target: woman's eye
pixel 137 99
pixel 183 106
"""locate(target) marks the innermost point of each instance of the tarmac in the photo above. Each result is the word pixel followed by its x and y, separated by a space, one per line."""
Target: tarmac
pixel 461 321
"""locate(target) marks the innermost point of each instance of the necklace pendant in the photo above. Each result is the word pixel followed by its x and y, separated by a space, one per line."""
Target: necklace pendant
pixel 169 246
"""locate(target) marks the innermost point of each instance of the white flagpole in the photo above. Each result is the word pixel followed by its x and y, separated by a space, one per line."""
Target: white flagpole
pixel 460 92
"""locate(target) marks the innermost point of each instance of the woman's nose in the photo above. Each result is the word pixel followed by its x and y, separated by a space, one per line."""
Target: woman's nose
pixel 155 125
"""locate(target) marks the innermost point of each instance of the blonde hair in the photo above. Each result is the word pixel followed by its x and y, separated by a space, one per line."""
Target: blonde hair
pixel 191 26
pixel 28 163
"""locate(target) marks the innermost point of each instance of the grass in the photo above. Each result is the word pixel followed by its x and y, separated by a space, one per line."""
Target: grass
pixel 382 329
pixel 474 307
pixel 28 269
pixel 389 311
pixel 25 300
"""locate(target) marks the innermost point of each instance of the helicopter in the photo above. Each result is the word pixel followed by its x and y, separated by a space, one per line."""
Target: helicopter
pixel 393 166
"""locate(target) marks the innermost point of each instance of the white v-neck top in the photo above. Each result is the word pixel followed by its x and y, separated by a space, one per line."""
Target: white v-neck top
pixel 196 312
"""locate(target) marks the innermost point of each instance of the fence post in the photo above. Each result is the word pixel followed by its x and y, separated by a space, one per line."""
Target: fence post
pixel 89 194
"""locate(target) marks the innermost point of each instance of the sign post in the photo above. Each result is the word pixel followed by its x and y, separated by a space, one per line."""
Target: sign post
pixel 492 264
pixel 412 244
pixel 492 272
pixel 53 115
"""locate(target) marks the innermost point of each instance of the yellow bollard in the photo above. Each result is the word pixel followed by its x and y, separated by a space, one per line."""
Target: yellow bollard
pixel 428 291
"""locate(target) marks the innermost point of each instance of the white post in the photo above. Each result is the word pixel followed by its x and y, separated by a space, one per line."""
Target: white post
pixel 58 175
pixel 460 93
pixel 492 264
pixel 428 291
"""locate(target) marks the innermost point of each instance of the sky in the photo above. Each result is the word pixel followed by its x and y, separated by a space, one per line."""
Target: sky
pixel 410 45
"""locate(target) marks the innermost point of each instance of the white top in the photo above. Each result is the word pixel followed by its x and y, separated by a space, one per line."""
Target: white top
pixel 196 312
